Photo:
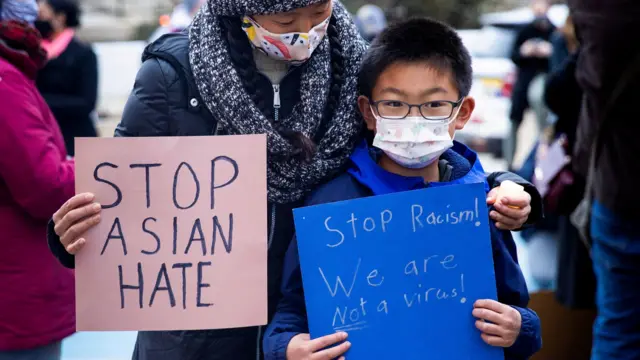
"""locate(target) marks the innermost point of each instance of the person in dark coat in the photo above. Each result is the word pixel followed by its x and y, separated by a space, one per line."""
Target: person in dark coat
pixel 69 81
pixel 530 53
pixel 221 79
pixel 37 302
pixel 608 72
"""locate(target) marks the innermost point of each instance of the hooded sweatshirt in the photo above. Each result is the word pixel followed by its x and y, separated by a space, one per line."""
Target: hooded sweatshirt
pixel 366 178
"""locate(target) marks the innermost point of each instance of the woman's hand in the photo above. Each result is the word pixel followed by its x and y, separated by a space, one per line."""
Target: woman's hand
pixel 499 323
pixel 301 347
pixel 512 211
pixel 74 218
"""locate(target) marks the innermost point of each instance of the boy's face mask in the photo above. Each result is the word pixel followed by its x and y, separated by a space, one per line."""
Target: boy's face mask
pixel 413 142
pixel 294 48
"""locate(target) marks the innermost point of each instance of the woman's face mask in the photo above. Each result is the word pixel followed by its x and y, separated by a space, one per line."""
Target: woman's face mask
pixel 295 48
pixel 19 10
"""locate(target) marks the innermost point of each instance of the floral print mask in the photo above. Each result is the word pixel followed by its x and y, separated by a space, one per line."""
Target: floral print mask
pixel 295 48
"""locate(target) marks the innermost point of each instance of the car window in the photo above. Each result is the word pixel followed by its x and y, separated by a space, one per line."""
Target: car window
pixel 489 42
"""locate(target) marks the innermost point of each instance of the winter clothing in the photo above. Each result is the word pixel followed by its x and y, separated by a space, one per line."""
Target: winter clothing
pixel 240 8
pixel 19 10
pixel 20 46
pixel 288 177
pixel 37 306
pixel 610 42
pixel 365 178
pixel 69 84
pixel 528 67
pixel 166 101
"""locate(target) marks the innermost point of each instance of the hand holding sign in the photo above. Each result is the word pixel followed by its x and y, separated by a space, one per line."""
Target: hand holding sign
pixel 301 347
pixel 78 215
pixel 500 324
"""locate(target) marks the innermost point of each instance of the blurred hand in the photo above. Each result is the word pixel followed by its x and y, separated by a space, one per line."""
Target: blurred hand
pixel 528 49
pixel 301 347
pixel 74 218
pixel 544 49
pixel 512 211
pixel 499 323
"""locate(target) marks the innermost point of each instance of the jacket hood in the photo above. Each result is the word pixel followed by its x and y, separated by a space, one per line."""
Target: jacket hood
pixel 464 163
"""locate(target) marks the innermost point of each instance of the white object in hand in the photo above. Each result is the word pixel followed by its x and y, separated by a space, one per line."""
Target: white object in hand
pixel 509 188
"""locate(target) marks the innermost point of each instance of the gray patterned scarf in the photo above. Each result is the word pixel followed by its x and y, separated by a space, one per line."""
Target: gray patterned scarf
pixel 289 178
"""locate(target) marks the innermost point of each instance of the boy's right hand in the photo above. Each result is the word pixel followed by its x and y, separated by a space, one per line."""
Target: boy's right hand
pixel 301 347
pixel 74 218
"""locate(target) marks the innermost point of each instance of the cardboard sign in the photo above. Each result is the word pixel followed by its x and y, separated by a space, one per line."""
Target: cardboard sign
pixel 400 273
pixel 182 244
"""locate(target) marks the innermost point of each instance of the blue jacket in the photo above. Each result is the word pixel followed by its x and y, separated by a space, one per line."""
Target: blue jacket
pixel 365 178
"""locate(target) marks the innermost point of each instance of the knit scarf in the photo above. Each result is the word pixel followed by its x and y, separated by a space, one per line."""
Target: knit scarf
pixel 289 178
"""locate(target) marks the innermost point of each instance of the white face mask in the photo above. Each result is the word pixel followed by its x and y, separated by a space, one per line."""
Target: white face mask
pixel 413 142
pixel 295 48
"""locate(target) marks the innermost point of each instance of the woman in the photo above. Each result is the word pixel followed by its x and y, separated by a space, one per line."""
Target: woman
pixel 69 81
pixel 238 72
pixel 37 307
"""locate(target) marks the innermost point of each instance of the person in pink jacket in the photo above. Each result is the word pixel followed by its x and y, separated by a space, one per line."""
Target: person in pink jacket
pixel 37 308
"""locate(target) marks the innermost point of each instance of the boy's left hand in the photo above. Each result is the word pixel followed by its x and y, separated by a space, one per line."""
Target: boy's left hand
pixel 499 323
pixel 512 211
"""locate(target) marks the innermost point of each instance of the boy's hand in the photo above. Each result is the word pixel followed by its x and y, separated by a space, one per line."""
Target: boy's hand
pixel 512 211
pixel 499 323
pixel 301 347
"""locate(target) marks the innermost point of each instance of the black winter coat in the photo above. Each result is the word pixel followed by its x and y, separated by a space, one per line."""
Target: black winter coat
pixel 69 84
pixel 165 102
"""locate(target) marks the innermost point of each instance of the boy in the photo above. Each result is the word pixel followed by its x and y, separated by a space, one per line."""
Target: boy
pixel 414 84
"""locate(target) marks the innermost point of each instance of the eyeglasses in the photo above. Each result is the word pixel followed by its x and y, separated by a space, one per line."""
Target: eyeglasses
pixel 433 110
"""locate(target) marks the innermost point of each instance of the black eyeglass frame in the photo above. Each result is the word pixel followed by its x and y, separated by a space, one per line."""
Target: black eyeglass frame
pixel 455 105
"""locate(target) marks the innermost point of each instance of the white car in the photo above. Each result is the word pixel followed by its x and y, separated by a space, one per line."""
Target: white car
pixel 494 75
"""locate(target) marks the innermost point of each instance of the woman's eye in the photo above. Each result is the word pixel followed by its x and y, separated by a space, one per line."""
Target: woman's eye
pixel 284 23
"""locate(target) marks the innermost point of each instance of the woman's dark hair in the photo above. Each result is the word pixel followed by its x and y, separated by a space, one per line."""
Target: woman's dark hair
pixel 242 57
pixel 69 8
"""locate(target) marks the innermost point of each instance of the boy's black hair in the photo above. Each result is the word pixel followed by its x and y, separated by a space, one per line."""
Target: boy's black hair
pixel 417 40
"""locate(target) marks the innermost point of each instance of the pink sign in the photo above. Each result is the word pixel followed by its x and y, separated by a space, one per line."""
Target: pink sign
pixel 182 244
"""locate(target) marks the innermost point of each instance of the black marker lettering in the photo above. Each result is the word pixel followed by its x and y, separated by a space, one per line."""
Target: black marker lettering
pixel 197 226
pixel 147 177
pixel 175 235
pixel 150 232
pixel 202 285
pixel 114 186
pixel 119 235
pixel 175 187
pixel 139 287
pixel 184 267
pixel 162 275
pixel 227 240
pixel 236 172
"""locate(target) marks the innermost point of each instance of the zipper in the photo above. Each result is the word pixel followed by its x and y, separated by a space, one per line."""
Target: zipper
pixel 276 102
pixel 258 343
pixel 273 225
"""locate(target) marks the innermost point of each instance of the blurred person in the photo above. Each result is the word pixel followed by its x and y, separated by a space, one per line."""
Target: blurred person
pixel 531 54
pixel 608 71
pixel 372 21
pixel 183 14
pixel 69 81
pixel 37 307
pixel 237 71
pixel 565 43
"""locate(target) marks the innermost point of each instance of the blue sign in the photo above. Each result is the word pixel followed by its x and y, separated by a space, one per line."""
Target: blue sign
pixel 400 273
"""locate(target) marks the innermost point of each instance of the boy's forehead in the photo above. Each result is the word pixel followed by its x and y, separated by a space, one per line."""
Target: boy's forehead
pixel 415 77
